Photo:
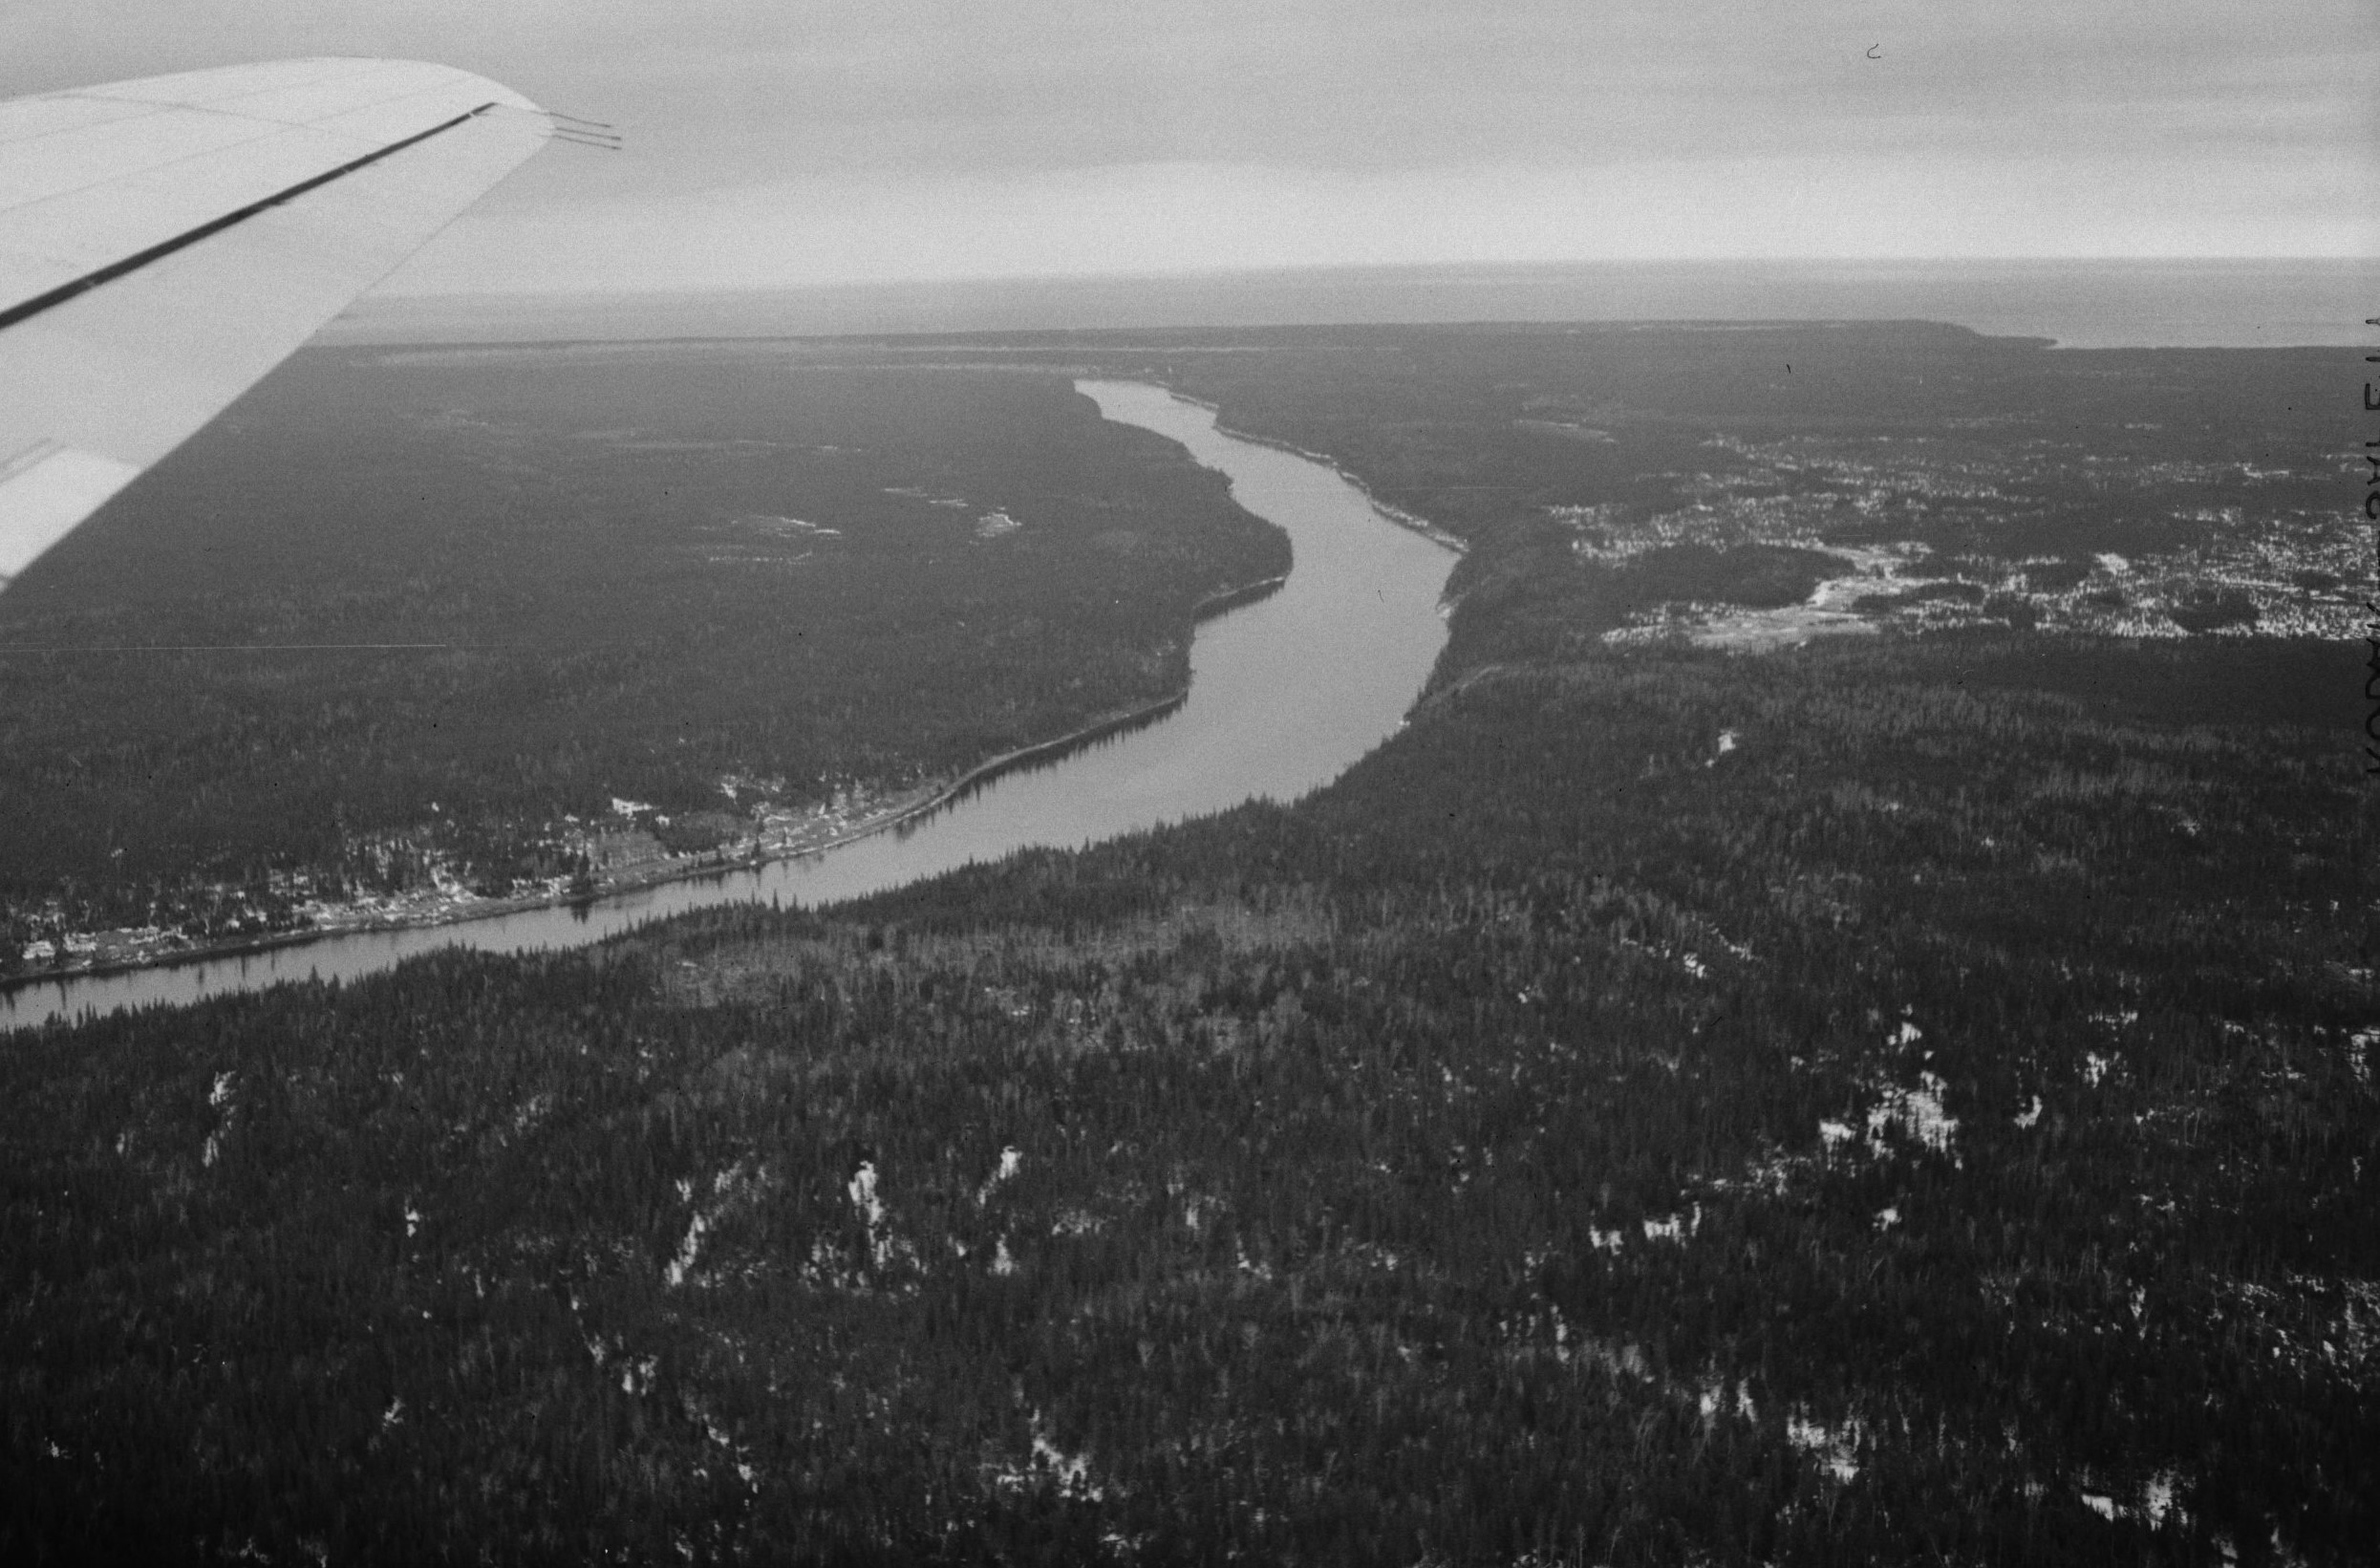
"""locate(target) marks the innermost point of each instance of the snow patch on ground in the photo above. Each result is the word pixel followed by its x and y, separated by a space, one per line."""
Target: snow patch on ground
pixel 688 1250
pixel 1012 1161
pixel 1069 1472
pixel 1916 1115
pixel 884 1248
pixel 728 1188
pixel 1674 1228
pixel 219 1098
pixel 863 1193
pixel 1834 1449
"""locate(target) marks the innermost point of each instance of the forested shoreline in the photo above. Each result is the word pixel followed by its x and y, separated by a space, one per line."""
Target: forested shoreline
pixel 687 604
pixel 693 855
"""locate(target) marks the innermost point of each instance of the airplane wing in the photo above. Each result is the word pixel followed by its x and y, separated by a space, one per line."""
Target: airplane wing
pixel 164 243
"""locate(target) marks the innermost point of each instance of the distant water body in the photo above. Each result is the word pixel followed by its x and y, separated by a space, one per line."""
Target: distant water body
pixel 2080 304
pixel 1285 693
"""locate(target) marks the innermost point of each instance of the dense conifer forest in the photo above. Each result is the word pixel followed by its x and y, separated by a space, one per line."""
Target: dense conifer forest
pixel 1900 1097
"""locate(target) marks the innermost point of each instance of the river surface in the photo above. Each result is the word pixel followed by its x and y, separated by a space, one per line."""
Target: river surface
pixel 1285 694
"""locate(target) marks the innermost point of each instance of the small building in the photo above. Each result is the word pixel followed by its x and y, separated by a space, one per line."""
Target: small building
pixel 616 851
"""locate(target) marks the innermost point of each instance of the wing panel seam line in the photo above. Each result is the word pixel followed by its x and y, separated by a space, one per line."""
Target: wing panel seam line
pixel 26 309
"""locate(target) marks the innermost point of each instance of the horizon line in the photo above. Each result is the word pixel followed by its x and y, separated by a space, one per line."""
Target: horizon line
pixel 1315 268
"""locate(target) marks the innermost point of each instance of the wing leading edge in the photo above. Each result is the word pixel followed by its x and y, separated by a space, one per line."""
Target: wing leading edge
pixel 164 243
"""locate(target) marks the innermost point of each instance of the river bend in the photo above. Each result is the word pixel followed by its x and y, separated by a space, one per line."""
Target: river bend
pixel 1284 694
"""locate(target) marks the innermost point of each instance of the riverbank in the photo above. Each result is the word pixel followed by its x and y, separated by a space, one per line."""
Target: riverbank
pixel 1388 510
pixel 436 908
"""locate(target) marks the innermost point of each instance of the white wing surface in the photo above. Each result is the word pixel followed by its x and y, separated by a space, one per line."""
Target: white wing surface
pixel 164 243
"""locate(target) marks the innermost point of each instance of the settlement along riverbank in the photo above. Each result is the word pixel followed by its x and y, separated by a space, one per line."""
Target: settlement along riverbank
pixel 1285 693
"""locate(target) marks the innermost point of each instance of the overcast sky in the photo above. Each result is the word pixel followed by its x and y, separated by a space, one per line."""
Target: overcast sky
pixel 786 141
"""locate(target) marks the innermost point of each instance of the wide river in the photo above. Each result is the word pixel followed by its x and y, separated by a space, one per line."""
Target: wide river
pixel 1284 694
